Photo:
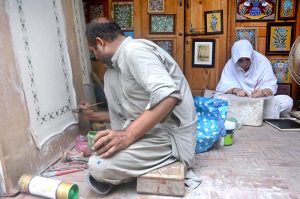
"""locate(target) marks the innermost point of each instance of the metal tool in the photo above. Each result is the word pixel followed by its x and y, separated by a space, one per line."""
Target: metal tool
pixel 78 110
pixel 66 157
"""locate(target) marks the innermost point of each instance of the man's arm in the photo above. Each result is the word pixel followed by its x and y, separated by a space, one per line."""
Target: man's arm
pixel 90 114
pixel 108 142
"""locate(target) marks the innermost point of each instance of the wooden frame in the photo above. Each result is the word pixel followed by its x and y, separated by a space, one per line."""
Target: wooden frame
pixel 159 24
pixel 287 10
pixel 123 18
pixel 284 89
pixel 255 11
pixel 249 33
pixel 203 53
pixel 280 37
pixel 213 22
pixel 281 69
pixel 155 6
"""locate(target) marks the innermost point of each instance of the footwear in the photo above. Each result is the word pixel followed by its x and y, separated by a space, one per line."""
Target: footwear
pixel 99 187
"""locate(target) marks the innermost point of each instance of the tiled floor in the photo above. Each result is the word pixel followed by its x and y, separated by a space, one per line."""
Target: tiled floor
pixel 262 163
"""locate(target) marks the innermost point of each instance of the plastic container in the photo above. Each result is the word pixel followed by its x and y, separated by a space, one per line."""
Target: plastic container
pixel 47 187
pixel 90 137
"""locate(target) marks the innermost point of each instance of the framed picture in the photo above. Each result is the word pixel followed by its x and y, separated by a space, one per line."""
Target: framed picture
pixel 281 69
pixel 249 33
pixel 203 54
pixel 213 22
pixel 122 13
pixel 287 9
pixel 166 44
pixel 255 10
pixel 284 89
pixel 280 37
pixel 156 6
pixel 162 24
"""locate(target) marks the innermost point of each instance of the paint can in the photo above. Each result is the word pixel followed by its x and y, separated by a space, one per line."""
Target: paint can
pixel 227 140
pixel 47 187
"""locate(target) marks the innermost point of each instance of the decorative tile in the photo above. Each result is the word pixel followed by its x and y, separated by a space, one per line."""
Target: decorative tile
pixel 129 33
pixel 167 45
pixel 123 14
pixel 281 70
pixel 156 5
pixel 248 33
pixel 96 11
pixel 162 23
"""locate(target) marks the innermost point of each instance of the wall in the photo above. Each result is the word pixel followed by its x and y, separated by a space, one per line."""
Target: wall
pixel 19 153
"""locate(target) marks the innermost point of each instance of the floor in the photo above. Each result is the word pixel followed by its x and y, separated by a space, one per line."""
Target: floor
pixel 262 163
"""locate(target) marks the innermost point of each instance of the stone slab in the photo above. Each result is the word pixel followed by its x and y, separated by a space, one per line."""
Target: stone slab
pixel 168 180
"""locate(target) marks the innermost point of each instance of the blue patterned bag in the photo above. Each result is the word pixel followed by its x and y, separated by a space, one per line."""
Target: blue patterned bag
pixel 211 115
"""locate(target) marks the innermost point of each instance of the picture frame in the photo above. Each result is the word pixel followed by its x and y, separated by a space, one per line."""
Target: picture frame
pixel 249 33
pixel 281 69
pixel 287 9
pixel 162 23
pixel 122 14
pixel 280 37
pixel 156 6
pixel 255 10
pixel 284 89
pixel 166 44
pixel 213 22
pixel 203 53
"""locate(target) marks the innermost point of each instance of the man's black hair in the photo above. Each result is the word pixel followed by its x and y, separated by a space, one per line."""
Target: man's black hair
pixel 107 30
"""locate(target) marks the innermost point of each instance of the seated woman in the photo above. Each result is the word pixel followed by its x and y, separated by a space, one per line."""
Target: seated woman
pixel 249 74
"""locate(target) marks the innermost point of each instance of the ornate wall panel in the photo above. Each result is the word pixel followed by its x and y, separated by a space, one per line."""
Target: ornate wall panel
pixel 42 55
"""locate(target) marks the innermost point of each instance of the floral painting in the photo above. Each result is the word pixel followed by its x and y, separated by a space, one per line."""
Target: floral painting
pixel 280 37
pixel 213 22
pixel 281 70
pixel 123 14
pixel 287 9
pixel 255 10
pixel 248 33
pixel 156 5
pixel 162 23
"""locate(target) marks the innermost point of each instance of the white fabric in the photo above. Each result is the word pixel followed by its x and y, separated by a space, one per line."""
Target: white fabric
pixel 141 75
pixel 84 55
pixel 285 103
pixel 39 38
pixel 260 74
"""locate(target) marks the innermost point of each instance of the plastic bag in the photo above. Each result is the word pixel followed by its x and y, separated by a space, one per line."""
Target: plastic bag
pixel 211 115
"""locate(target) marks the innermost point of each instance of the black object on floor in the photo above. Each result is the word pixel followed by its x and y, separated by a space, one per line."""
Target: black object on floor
pixel 99 187
pixel 284 124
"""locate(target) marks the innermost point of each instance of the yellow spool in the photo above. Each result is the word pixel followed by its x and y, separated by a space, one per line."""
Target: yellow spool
pixel 47 187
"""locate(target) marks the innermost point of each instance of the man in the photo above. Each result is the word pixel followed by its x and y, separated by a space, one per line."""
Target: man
pixel 151 109
pixel 249 74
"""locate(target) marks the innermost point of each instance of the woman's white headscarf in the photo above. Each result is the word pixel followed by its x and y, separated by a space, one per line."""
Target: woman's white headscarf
pixel 260 74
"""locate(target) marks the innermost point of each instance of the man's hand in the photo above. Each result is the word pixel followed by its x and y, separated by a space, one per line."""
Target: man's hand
pixel 86 110
pixel 108 142
pixel 240 92
pixel 257 93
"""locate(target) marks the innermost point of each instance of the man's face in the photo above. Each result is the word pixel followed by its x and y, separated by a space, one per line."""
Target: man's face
pixel 244 63
pixel 100 53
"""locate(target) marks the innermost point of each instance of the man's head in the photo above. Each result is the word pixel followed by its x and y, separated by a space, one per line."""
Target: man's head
pixel 241 53
pixel 101 35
